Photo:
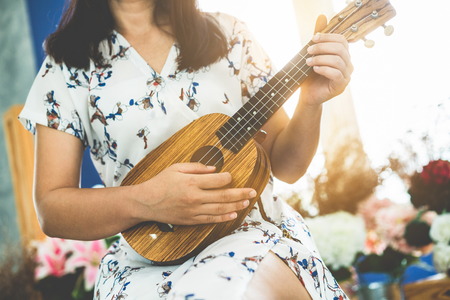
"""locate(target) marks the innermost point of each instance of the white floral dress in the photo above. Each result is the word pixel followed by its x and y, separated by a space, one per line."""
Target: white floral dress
pixel 124 109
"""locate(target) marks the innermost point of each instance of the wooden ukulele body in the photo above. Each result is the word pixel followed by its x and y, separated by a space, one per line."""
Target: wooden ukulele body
pixel 250 167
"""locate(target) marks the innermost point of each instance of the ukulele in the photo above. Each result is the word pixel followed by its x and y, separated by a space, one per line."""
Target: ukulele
pixel 227 143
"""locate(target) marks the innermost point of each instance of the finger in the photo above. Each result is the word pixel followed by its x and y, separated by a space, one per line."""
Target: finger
pixel 217 209
pixel 213 181
pixel 330 38
pixel 193 168
pixel 337 49
pixel 329 48
pixel 228 195
pixel 208 219
pixel 321 23
pixel 332 74
pixel 332 61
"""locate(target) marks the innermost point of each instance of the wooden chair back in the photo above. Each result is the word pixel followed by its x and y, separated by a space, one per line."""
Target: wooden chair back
pixel 430 289
pixel 20 148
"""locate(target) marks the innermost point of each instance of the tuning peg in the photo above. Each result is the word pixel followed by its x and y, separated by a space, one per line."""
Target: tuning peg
pixel 388 30
pixel 358 3
pixel 368 43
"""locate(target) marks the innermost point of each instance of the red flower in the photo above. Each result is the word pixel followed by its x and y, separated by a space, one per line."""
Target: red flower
pixel 431 187
pixel 436 172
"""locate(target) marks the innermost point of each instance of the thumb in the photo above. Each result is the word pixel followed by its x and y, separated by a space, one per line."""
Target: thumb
pixel 321 23
pixel 194 168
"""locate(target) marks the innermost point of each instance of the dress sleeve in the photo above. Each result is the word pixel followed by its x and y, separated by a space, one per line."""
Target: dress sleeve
pixel 51 100
pixel 256 66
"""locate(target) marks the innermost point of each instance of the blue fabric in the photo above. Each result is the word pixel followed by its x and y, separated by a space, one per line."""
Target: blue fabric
pixel 89 175
pixel 422 269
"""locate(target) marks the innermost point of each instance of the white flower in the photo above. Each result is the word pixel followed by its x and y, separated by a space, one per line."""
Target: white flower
pixel 440 229
pixel 339 237
pixel 441 257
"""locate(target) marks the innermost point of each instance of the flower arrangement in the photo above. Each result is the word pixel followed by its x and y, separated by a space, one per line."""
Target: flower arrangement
pixel 422 160
pixel 391 222
pixel 387 251
pixel 430 189
pixel 51 269
pixel 339 238
pixel 66 269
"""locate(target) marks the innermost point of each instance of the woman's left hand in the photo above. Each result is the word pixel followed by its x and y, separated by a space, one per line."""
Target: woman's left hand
pixel 332 68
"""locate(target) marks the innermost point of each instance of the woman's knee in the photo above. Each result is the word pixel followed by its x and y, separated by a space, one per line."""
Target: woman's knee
pixel 275 280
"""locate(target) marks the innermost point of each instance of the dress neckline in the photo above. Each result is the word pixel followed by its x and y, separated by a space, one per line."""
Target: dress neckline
pixel 170 64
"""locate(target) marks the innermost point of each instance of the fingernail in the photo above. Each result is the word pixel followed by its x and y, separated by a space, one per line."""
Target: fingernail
pixel 211 167
pixel 316 37
pixel 246 203
pixel 252 194
pixel 308 61
pixel 310 49
pixel 233 215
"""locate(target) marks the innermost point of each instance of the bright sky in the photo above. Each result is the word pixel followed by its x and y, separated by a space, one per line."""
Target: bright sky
pixel 396 85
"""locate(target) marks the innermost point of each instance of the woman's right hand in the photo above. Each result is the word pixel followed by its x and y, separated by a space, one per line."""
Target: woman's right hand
pixel 190 193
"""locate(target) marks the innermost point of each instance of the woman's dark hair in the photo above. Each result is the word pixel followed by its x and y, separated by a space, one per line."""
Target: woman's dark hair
pixel 85 23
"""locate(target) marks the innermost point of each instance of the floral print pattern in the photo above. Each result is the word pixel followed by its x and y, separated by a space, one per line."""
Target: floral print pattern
pixel 122 110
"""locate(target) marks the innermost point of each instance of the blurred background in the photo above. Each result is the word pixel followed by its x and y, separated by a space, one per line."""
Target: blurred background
pixel 393 119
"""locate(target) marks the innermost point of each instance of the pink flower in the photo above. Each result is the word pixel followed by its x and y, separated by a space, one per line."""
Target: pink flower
pixel 374 243
pixel 51 257
pixel 369 208
pixel 391 222
pixel 87 255
pixel 429 216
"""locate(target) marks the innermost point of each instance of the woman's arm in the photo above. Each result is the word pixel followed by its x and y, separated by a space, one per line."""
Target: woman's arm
pixel 65 210
pixel 188 193
pixel 292 144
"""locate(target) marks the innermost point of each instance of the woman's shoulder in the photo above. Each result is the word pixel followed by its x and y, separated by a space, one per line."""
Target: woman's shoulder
pixel 52 72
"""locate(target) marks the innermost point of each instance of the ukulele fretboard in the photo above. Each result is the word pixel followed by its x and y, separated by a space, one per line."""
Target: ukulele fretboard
pixel 249 119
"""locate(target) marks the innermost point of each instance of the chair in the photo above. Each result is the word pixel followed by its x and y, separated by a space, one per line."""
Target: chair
pixel 20 148
pixel 429 289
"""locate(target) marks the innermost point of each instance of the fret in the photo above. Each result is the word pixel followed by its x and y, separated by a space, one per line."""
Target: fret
pixel 305 69
pixel 288 78
pixel 304 51
pixel 249 119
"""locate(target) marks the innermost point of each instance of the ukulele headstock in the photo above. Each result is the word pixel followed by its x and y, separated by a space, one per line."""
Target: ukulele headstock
pixel 361 17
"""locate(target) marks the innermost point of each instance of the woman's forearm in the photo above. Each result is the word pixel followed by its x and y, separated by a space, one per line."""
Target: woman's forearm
pixel 296 144
pixel 181 194
pixel 87 214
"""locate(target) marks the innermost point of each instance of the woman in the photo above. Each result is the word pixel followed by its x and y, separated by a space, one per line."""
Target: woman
pixel 122 76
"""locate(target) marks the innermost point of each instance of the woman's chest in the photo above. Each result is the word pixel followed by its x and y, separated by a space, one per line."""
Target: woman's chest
pixel 130 103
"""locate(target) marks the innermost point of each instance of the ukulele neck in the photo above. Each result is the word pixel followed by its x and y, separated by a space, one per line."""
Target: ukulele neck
pixel 249 119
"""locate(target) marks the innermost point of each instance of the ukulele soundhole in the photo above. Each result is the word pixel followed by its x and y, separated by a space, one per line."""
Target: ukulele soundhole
pixel 210 156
